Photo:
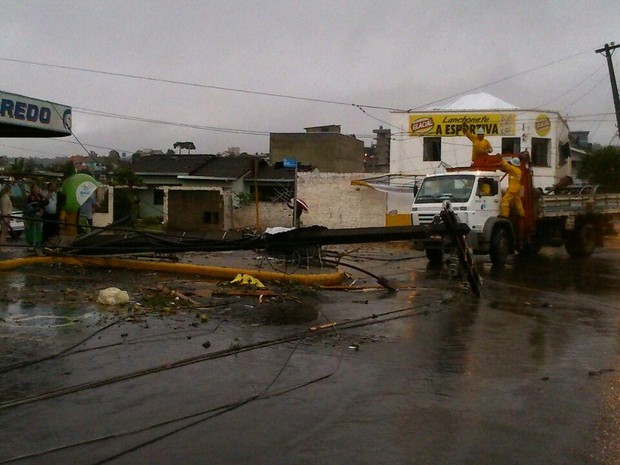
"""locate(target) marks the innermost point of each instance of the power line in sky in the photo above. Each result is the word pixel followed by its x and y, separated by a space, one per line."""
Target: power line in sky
pixel 521 73
pixel 191 84
pixel 361 107
pixel 105 114
pixel 278 95
pixel 573 87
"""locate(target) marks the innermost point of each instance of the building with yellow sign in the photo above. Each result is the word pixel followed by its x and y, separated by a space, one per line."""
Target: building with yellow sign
pixel 426 141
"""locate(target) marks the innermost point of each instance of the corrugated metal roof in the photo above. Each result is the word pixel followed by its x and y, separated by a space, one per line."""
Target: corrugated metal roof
pixel 209 167
pixel 225 167
pixel 169 164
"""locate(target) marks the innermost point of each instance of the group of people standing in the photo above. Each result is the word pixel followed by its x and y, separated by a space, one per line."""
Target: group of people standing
pixel 42 213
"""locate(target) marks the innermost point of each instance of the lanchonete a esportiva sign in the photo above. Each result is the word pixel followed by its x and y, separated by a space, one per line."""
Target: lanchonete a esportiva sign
pixel 451 124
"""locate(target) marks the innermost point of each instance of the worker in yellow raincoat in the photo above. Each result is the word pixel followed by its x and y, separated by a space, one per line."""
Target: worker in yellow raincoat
pixel 480 146
pixel 513 193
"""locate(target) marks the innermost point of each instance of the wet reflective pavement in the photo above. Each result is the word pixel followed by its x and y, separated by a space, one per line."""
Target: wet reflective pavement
pixel 428 375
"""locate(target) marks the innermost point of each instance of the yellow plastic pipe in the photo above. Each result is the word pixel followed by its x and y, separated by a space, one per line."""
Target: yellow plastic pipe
pixel 330 279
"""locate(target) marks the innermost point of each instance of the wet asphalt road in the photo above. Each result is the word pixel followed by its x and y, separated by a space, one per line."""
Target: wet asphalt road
pixel 528 374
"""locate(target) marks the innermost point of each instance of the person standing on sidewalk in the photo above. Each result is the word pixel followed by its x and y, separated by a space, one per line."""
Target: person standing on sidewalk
pixel 6 210
pixel 50 212
pixel 33 216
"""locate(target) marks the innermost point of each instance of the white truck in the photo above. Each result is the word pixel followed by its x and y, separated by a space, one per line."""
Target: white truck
pixel 576 219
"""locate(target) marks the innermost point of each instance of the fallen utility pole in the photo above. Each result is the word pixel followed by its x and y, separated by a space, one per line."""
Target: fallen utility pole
pixel 607 50
pixel 111 243
pixel 286 242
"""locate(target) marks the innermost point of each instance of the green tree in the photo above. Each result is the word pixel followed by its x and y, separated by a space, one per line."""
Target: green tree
pixel 602 167
pixel 124 176
pixel 184 145
pixel 17 167
pixel 67 169
pixel 114 157
pixel 30 166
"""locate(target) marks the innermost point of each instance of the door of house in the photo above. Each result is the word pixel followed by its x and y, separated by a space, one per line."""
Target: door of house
pixel 195 210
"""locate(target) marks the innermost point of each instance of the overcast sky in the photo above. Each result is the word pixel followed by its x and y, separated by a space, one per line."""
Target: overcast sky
pixel 279 66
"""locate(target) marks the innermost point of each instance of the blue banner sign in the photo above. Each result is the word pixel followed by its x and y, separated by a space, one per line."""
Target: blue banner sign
pixel 289 163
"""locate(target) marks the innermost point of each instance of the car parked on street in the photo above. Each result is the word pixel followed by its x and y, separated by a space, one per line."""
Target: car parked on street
pixel 16 227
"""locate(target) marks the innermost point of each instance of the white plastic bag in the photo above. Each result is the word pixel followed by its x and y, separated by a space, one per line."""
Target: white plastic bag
pixel 113 296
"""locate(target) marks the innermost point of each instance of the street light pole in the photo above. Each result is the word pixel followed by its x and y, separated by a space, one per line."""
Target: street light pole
pixel 607 51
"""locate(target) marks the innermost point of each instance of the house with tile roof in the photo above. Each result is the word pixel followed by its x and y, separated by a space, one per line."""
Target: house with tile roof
pixel 199 192
pixel 164 170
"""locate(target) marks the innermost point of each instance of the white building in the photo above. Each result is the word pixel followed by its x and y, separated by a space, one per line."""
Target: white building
pixel 425 142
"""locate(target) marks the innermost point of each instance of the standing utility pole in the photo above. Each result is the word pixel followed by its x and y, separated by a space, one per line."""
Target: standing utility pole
pixel 607 51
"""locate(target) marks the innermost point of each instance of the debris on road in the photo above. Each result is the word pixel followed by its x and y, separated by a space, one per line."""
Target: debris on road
pixel 248 292
pixel 247 280
pixel 177 294
pixel 113 296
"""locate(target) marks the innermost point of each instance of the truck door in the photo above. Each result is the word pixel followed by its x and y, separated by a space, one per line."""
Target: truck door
pixel 486 202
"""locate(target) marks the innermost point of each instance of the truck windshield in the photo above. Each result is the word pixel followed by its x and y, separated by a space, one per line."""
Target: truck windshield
pixel 456 188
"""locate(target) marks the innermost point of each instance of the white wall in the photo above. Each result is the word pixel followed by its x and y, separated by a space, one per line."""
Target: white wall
pixel 335 203
pixel 270 214
pixel 400 202
pixel 332 201
pixel 102 219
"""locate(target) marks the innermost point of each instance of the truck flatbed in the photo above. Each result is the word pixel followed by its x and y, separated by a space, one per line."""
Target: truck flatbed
pixel 572 204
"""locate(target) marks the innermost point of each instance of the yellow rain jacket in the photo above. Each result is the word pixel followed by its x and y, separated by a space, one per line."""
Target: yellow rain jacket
pixel 513 194
pixel 480 147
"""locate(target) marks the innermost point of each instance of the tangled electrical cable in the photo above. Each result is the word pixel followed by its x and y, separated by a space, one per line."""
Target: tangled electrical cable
pixel 68 351
pixel 205 357
pixel 15 366
pixel 207 414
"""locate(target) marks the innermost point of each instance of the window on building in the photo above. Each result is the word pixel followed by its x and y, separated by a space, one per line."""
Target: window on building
pixel 582 138
pixel 211 217
pixel 564 151
pixel 158 197
pixel 511 145
pixel 432 149
pixel 540 152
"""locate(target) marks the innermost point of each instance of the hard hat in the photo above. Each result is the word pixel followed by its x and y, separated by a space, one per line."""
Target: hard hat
pixel 515 161
pixel 480 131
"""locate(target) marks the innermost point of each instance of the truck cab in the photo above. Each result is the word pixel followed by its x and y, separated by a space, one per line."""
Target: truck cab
pixel 475 198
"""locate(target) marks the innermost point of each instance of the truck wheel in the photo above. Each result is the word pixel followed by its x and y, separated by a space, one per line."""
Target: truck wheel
pixel 434 255
pixel 582 242
pixel 500 246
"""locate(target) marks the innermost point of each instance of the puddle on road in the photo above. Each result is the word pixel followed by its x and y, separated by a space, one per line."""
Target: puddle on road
pixel 554 271
pixel 56 297
pixel 49 298
pixel 17 317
